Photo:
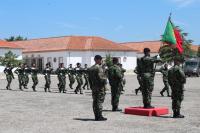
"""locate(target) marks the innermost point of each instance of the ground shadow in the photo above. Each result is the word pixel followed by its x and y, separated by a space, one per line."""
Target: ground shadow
pixel 84 119
pixel 164 116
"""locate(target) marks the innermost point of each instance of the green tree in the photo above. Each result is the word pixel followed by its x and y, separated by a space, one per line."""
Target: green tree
pixel 198 52
pixel 9 57
pixel 17 38
pixel 108 60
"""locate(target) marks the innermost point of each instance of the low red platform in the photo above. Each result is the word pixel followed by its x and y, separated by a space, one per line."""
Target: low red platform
pixel 146 112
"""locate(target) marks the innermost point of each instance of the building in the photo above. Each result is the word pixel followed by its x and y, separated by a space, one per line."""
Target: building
pixel 73 49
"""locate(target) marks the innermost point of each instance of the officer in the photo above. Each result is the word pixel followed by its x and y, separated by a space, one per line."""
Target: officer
pixel 115 79
pixel 147 72
pixel 20 72
pixel 139 81
pixel 34 72
pixel 9 75
pixel 97 79
pixel 164 71
pixel 85 75
pixel 79 79
pixel 61 72
pixel 71 73
pixel 26 74
pixel 47 75
pixel 123 83
pixel 177 80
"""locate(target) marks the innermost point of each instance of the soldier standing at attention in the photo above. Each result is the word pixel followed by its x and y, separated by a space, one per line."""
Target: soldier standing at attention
pixel 34 72
pixel 97 80
pixel 115 79
pixel 61 72
pixel 85 74
pixel 47 75
pixel 71 73
pixel 20 72
pixel 147 72
pixel 9 75
pixel 26 73
pixel 177 80
pixel 139 81
pixel 123 83
pixel 164 71
pixel 79 79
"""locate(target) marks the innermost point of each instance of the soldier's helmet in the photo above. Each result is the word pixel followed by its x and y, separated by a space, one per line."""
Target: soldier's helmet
pixel 146 50
pixel 98 57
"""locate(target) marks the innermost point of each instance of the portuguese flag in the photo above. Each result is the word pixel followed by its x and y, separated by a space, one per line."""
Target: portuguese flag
pixel 173 37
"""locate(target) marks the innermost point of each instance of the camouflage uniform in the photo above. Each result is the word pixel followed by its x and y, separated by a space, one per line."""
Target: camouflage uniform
pixel 177 80
pixel 61 72
pixel 115 79
pixel 85 75
pixel 71 73
pixel 147 72
pixel 26 78
pixel 97 80
pixel 34 72
pixel 79 79
pixel 47 75
pixel 20 72
pixel 139 81
pixel 9 76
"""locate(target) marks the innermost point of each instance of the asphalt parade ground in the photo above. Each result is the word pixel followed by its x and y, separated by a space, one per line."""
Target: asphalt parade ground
pixel 39 112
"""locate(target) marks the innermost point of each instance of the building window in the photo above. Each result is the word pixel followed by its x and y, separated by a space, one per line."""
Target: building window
pixel 49 60
pixel 60 60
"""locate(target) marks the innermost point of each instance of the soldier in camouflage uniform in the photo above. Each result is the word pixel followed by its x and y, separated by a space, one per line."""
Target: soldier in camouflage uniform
pixel 47 75
pixel 71 73
pixel 177 80
pixel 26 74
pixel 164 71
pixel 85 74
pixel 34 72
pixel 97 80
pixel 61 72
pixel 139 81
pixel 147 72
pixel 9 75
pixel 79 79
pixel 115 79
pixel 20 72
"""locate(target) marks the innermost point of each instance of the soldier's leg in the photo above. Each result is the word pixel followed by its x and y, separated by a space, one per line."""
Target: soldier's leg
pixel 146 93
pixel 115 93
pixel 35 82
pixel 49 83
pixel 20 82
pixel 80 88
pixel 167 89
pixel 9 80
pixel 46 84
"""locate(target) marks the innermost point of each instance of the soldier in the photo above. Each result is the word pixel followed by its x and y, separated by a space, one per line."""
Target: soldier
pixel 34 72
pixel 85 74
pixel 71 73
pixel 61 72
pixel 20 72
pixel 123 83
pixel 26 74
pixel 47 75
pixel 9 75
pixel 79 79
pixel 177 80
pixel 147 72
pixel 115 79
pixel 139 81
pixel 164 71
pixel 97 80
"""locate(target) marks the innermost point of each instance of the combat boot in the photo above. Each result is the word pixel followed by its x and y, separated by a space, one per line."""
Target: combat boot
pixel 161 93
pixel 136 91
pixel 45 89
pixel 179 115
pixel 148 106
pixel 116 109
pixel 49 90
pixel 101 118
pixel 34 88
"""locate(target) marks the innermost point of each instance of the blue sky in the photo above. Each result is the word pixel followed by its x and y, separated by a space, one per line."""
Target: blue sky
pixel 117 20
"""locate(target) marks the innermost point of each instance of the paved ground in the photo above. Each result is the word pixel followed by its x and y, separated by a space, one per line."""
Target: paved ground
pixel 39 112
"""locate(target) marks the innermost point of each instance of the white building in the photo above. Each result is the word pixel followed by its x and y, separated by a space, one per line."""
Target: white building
pixel 73 49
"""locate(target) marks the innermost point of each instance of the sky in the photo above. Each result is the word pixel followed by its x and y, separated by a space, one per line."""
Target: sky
pixel 116 20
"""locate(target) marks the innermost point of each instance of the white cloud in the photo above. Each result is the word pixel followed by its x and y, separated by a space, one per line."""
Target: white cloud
pixel 184 3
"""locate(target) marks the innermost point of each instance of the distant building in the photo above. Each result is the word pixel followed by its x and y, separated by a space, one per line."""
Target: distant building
pixel 73 49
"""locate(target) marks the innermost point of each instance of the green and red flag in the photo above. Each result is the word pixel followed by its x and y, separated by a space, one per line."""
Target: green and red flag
pixel 172 36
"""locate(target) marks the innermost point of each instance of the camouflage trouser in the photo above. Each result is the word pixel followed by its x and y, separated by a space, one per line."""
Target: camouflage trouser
pixel 177 98
pixel 147 88
pixel 166 88
pixel 21 81
pixel 79 84
pixel 98 95
pixel 62 83
pixel 35 81
pixel 48 81
pixel 140 83
pixel 115 94
pixel 9 80
pixel 86 83
pixel 71 81
pixel 26 79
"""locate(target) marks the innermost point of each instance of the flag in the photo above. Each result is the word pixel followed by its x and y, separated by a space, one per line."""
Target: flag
pixel 172 36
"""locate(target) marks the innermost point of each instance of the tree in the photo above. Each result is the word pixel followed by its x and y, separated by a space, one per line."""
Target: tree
pixel 108 60
pixel 9 57
pixel 17 38
pixel 198 52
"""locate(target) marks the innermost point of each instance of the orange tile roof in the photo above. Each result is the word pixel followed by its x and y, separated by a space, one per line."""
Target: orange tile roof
pixel 11 45
pixel 139 46
pixel 195 47
pixel 76 43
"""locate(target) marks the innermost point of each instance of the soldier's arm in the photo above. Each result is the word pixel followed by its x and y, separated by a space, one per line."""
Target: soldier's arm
pixel 16 71
pixel 182 75
pixel 5 71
